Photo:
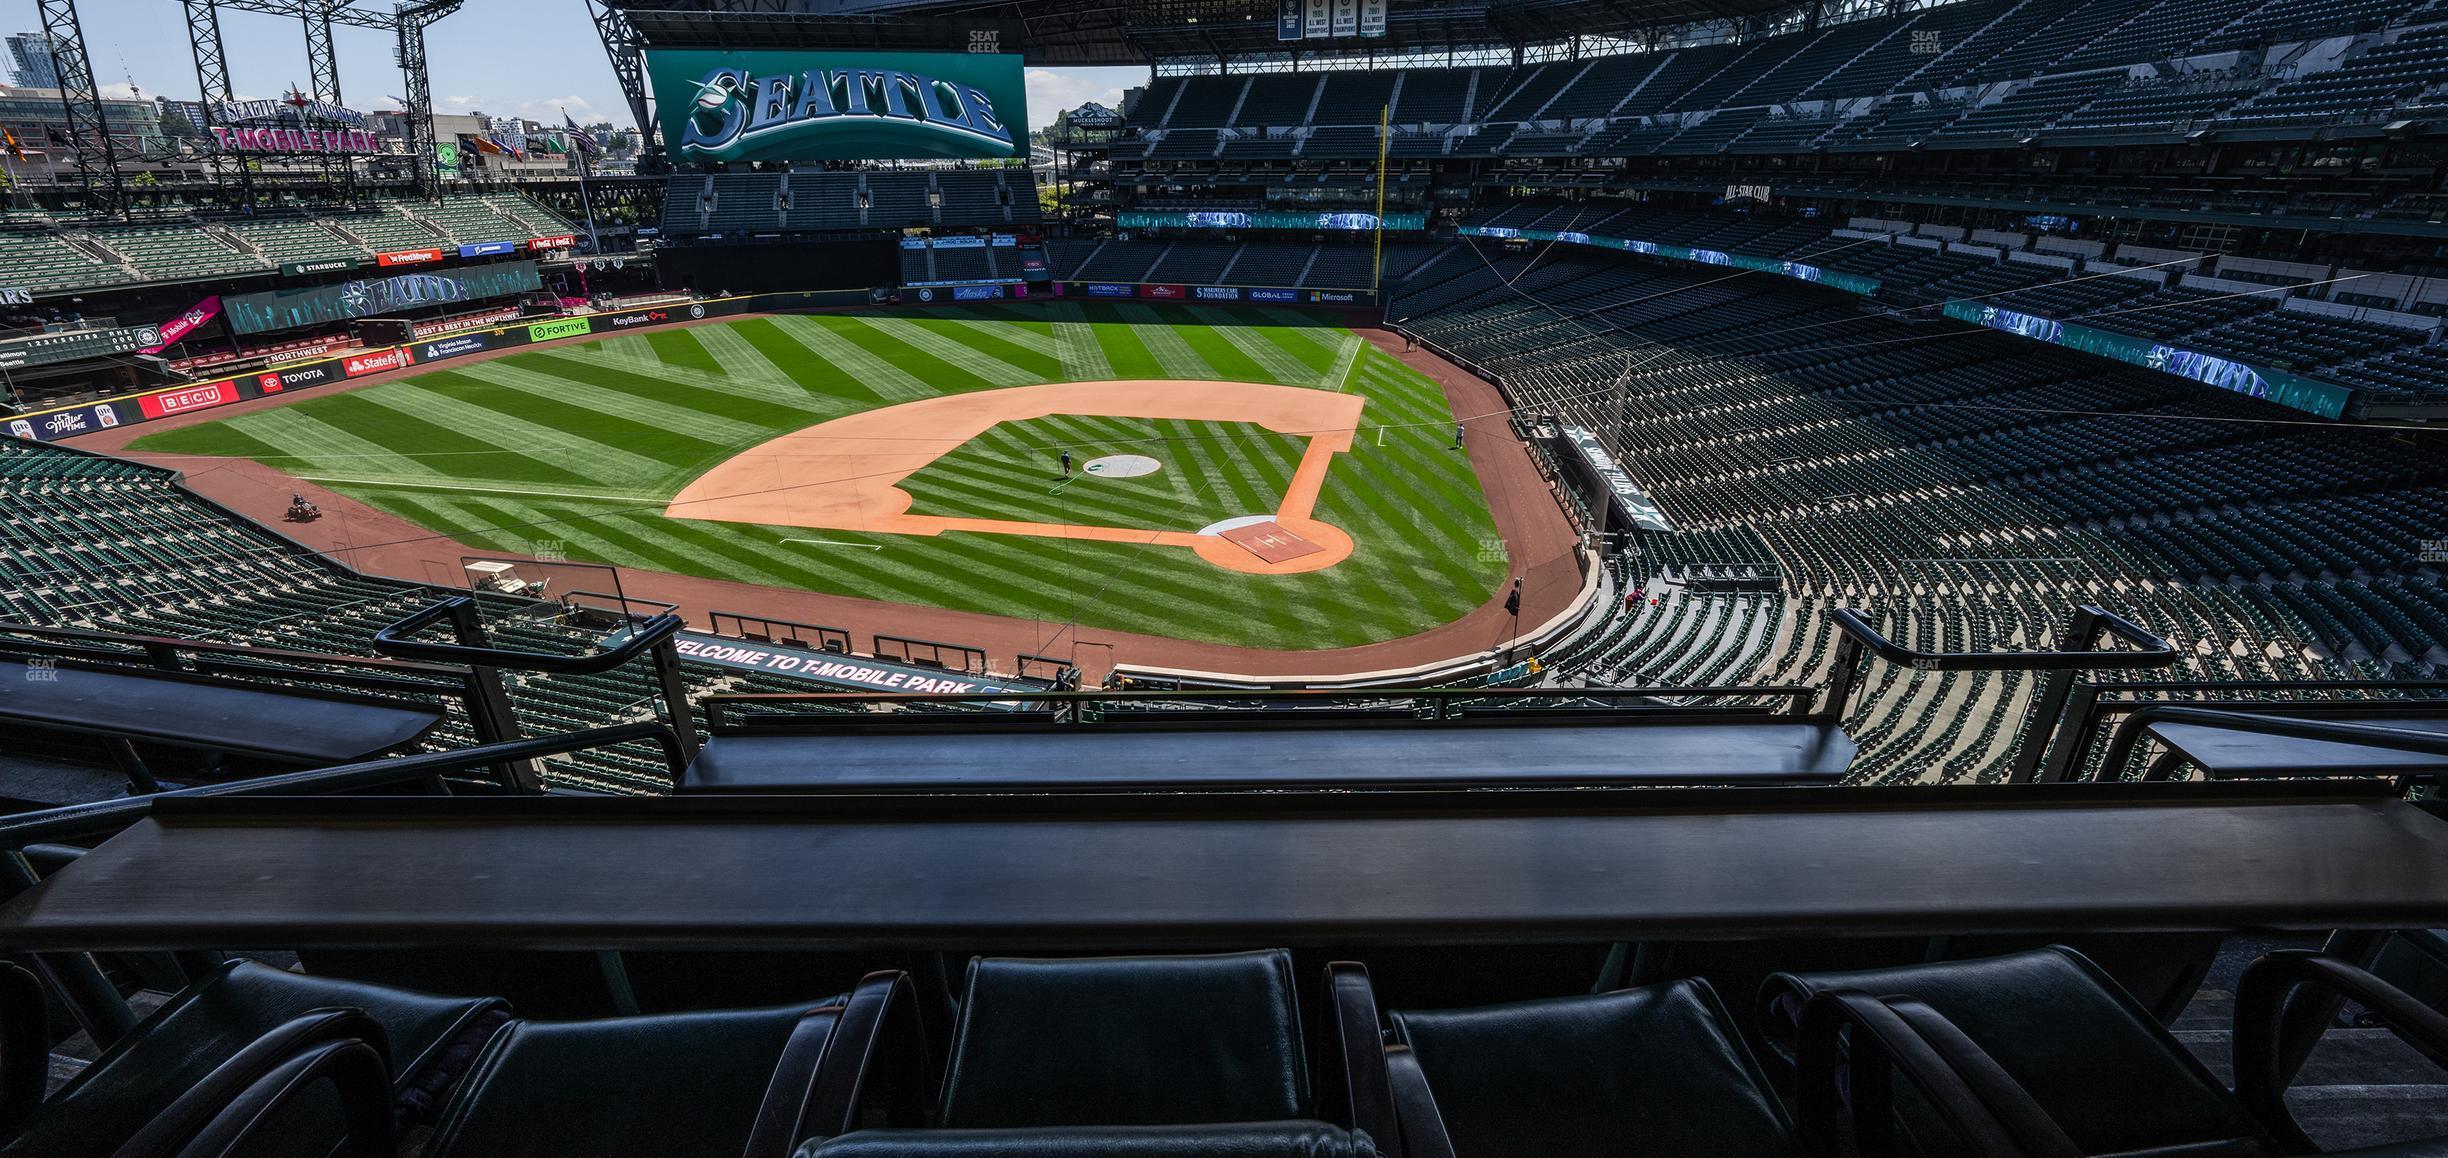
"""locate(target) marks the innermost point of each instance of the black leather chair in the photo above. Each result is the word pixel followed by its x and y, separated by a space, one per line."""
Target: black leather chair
pixel 2088 1054
pixel 1126 1041
pixel 750 1082
pixel 1654 1071
pixel 2047 1027
pixel 1127 1056
pixel 222 1035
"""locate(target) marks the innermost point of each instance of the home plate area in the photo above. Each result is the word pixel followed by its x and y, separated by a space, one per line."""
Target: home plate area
pixel 1270 541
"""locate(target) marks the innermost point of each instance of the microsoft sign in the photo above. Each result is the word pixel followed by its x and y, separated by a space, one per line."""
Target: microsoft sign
pixel 824 106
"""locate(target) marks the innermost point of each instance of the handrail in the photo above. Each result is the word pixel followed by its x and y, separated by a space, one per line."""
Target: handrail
pixel 2129 732
pixel 715 705
pixel 2089 623
pixel 155 645
pixel 392 640
pixel 104 816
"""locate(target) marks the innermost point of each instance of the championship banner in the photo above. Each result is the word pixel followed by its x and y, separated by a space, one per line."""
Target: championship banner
pixel 1347 17
pixel 1288 19
pixel 1317 19
pixel 1372 17
pixel 288 309
pixel 184 324
pixel 765 105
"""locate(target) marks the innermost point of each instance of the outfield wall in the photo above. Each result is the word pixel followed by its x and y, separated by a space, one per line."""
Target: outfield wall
pixel 66 422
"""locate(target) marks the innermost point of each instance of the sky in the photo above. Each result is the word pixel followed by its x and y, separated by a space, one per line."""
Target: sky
pixel 527 58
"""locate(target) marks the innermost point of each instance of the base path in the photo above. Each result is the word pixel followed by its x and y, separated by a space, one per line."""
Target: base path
pixel 846 475
pixel 1537 538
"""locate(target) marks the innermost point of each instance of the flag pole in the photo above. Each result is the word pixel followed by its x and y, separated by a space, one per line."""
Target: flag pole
pixel 594 243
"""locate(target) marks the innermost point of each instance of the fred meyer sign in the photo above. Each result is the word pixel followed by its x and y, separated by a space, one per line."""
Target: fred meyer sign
pixel 824 106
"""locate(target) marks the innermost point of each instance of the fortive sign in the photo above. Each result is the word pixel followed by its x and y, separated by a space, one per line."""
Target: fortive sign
pixel 565 328
pixel 408 257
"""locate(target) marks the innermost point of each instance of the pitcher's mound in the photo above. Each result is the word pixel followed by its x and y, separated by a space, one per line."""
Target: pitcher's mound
pixel 1270 542
pixel 1122 466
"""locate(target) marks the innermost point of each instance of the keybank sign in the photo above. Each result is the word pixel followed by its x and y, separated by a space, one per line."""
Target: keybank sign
pixel 824 106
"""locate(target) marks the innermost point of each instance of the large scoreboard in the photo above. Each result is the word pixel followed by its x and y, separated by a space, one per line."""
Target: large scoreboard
pixel 771 105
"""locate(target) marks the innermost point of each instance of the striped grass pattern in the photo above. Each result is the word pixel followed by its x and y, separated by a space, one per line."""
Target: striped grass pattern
pixel 574 449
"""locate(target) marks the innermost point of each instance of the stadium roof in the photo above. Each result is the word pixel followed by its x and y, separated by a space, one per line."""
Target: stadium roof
pixel 1089 32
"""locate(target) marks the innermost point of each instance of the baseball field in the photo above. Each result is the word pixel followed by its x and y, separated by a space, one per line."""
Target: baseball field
pixel 1238 475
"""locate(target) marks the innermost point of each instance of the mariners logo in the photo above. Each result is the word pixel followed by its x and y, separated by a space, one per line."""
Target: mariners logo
pixel 739 116
pixel 696 311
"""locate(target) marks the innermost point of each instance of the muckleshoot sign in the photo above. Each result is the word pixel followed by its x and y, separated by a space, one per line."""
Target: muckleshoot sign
pixel 831 106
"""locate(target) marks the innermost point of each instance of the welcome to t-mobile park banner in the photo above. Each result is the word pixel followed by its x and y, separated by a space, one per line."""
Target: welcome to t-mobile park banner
pixel 825 667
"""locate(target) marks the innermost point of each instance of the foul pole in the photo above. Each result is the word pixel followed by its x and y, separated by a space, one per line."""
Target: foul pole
pixel 1385 139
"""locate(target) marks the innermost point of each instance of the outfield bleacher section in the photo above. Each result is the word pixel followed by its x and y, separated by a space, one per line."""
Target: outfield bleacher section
pixel 748 204
pixel 58 256
pixel 1963 484
pixel 1979 74
pixel 1341 265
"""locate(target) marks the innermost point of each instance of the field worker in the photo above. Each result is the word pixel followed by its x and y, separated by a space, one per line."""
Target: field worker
pixel 1066 461
pixel 1457 436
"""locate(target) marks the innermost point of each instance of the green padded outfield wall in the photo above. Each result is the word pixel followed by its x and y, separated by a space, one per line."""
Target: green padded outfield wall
pixel 766 105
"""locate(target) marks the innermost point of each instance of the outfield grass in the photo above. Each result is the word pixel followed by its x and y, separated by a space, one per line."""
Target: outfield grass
pixel 573 450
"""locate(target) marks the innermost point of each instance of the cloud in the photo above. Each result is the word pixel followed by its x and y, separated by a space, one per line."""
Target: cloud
pixel 549 109
pixel 120 92
pixel 1052 91
pixel 460 104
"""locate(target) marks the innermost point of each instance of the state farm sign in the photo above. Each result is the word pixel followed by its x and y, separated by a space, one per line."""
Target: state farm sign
pixel 376 362
pixel 184 399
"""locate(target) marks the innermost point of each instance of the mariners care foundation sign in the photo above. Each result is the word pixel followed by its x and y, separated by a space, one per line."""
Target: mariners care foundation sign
pixel 823 106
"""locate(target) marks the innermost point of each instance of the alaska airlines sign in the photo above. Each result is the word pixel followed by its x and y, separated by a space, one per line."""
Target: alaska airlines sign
pixel 808 106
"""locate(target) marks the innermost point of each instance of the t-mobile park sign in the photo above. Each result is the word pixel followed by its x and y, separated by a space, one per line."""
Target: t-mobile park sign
pixel 826 667
pixel 250 140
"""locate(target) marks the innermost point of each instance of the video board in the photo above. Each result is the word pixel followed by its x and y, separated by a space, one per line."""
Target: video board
pixel 768 105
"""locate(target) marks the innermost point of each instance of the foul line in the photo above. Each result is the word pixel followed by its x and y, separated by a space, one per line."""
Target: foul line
pixel 837 543
pixel 478 488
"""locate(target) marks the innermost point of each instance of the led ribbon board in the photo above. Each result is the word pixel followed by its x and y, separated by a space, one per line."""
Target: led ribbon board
pixel 837 106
